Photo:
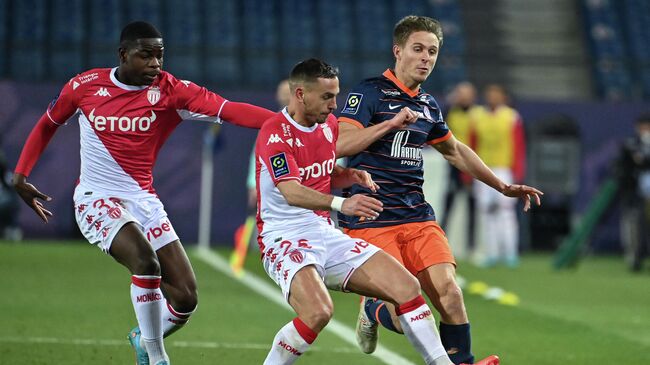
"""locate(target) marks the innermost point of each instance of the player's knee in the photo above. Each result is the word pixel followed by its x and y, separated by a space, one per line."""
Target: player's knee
pixel 188 301
pixel 409 289
pixel 451 297
pixel 147 265
pixel 319 317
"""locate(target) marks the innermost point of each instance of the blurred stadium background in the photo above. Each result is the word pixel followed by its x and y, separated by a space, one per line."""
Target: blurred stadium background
pixel 578 71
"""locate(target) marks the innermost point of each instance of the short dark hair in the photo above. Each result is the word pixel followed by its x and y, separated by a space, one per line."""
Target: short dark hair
pixel 415 23
pixel 138 30
pixel 310 70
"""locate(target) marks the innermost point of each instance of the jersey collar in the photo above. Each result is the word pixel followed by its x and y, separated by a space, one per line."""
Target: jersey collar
pixel 121 85
pixel 389 74
pixel 296 124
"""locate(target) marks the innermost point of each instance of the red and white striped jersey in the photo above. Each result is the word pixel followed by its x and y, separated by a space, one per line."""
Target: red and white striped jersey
pixel 285 150
pixel 123 127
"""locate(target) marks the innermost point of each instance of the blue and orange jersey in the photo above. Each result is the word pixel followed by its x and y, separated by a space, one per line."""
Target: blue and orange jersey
pixel 395 160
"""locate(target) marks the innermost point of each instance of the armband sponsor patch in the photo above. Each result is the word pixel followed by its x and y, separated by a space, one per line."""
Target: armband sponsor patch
pixel 279 165
pixel 352 103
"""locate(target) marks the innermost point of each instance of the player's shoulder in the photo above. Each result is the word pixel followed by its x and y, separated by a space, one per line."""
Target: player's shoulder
pixel 372 86
pixel 273 124
pixel 89 78
pixel 168 80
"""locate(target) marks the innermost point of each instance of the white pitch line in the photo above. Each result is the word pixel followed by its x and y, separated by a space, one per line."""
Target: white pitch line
pixel 185 344
pixel 273 294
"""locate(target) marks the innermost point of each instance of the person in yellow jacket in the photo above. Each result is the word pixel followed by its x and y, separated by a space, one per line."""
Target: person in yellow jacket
pixel 498 139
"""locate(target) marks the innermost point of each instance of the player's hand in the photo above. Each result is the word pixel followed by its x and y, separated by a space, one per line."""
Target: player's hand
pixel 525 192
pixel 362 206
pixel 402 119
pixel 364 179
pixel 30 194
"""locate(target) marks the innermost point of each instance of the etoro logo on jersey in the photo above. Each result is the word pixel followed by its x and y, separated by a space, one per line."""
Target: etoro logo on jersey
pixel 318 169
pixel 123 124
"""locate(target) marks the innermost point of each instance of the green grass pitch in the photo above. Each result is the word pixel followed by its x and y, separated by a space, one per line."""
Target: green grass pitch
pixel 67 303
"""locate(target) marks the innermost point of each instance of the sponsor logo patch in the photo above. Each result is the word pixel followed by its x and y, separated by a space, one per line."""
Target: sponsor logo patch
pixel 352 103
pixel 279 165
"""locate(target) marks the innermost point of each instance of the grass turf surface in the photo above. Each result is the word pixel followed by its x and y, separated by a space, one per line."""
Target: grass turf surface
pixel 67 303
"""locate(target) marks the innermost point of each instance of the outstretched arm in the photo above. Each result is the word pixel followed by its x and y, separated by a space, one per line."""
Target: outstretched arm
pixel 299 195
pixel 245 115
pixel 466 160
pixel 34 147
pixel 354 139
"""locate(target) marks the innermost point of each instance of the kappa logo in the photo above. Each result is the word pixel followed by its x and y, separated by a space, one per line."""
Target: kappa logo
pixel 274 138
pixel 298 142
pixel 102 92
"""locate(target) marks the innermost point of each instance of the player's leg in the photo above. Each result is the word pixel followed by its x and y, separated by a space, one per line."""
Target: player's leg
pixel 383 277
pixel 309 298
pixel 438 282
pixel 486 207
pixel 131 249
pixel 114 226
pixel 372 311
pixel 429 258
pixel 509 230
pixel 179 286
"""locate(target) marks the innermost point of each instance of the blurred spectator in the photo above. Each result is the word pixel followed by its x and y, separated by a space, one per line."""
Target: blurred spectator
pixel 9 206
pixel 498 138
pixel 459 119
pixel 634 178
pixel 282 96
pixel 248 230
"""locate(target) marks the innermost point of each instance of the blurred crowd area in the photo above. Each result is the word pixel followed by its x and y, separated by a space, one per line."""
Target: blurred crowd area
pixel 577 73
pixel 575 49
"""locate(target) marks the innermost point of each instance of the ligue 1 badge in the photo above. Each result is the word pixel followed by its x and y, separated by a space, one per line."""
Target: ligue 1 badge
pixel 153 94
pixel 327 132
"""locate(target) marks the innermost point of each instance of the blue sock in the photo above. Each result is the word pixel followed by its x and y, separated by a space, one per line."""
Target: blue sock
pixel 377 311
pixel 457 340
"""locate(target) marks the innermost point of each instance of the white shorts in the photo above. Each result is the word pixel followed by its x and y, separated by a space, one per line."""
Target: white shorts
pixel 100 216
pixel 334 254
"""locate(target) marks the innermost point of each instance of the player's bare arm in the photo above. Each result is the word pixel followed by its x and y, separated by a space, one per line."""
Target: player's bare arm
pixel 466 160
pixel 31 196
pixel 304 197
pixel 343 177
pixel 353 140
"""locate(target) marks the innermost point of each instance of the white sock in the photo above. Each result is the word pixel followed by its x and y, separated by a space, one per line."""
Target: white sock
pixel 420 328
pixel 290 342
pixel 173 320
pixel 147 303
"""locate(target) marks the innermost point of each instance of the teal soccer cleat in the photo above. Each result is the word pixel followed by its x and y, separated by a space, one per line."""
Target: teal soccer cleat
pixel 141 356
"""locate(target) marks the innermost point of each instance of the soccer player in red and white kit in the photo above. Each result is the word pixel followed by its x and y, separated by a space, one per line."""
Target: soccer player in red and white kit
pixel 126 114
pixel 301 250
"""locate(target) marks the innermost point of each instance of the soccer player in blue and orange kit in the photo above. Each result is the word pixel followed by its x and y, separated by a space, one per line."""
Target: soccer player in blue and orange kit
pixel 391 151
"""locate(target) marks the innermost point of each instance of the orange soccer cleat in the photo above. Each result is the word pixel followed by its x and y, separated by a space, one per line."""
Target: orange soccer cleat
pixel 490 360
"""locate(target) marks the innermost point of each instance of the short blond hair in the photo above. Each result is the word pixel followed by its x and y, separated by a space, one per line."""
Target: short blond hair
pixel 415 23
